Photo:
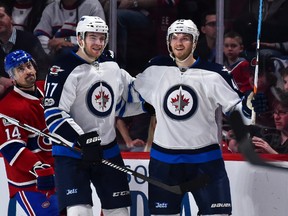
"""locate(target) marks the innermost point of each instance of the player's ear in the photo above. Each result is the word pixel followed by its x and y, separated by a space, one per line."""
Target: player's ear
pixel 80 40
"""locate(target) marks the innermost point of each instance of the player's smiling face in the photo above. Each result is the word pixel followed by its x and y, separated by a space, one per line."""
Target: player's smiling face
pixel 181 45
pixel 94 44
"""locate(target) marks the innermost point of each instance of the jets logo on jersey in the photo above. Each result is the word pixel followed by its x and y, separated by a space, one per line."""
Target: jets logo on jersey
pixel 100 99
pixel 54 70
pixel 180 102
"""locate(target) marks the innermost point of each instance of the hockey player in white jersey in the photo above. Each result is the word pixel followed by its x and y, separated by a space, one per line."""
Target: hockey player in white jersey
pixel 185 93
pixel 83 90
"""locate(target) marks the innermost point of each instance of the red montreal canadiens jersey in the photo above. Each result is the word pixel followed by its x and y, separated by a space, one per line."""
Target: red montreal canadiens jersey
pixel 22 149
pixel 185 102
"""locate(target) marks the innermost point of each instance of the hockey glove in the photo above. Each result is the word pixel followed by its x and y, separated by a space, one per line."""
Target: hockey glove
pixel 45 179
pixel 91 149
pixel 260 103
pixel 246 105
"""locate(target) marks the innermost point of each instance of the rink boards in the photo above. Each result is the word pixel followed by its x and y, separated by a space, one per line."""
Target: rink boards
pixel 255 191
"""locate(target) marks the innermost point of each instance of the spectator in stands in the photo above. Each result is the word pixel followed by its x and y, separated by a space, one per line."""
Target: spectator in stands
pixel 237 65
pixel 266 82
pixel 284 74
pixel 57 27
pixel 11 40
pixel 207 42
pixel 138 15
pixel 279 143
pixel 277 49
pixel 131 15
pixel 273 23
pixel 106 7
pixel 267 140
pixel 27 13
pixel 194 9
pixel 133 132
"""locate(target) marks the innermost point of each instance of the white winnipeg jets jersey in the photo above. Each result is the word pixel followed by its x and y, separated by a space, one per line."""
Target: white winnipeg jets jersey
pixel 81 97
pixel 185 102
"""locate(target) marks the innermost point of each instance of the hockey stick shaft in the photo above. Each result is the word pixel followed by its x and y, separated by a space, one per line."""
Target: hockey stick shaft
pixel 177 189
pixel 245 144
pixel 28 128
pixel 253 117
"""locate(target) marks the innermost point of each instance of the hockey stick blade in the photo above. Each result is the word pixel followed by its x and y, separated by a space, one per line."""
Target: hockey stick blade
pixel 178 189
pixel 245 143
pixel 197 183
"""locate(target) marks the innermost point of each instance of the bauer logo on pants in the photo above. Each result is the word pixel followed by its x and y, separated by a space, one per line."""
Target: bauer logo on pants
pixel 100 99
pixel 180 102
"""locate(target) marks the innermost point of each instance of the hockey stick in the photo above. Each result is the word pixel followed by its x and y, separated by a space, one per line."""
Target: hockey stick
pixel 253 117
pixel 245 144
pixel 177 189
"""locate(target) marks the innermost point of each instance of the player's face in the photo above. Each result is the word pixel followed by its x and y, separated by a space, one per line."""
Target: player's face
pixel 181 45
pixel 25 74
pixel 94 44
pixel 5 22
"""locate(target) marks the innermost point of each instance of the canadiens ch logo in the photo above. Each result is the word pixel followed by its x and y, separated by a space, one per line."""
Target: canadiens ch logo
pixel 180 102
pixel 100 99
pixel 43 142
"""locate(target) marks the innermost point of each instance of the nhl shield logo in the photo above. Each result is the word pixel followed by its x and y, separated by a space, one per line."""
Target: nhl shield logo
pixel 180 102
pixel 100 99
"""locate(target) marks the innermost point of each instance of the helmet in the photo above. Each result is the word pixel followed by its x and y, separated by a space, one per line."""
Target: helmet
pixel 183 26
pixel 16 58
pixel 92 24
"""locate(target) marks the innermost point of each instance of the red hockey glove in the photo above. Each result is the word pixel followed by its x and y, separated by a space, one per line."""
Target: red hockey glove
pixel 45 179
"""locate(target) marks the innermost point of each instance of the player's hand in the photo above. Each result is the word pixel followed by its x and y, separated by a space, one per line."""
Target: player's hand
pixel 91 149
pixel 45 179
pixel 260 103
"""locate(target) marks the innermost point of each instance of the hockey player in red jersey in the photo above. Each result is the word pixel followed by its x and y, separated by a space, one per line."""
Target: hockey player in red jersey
pixel 28 157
